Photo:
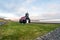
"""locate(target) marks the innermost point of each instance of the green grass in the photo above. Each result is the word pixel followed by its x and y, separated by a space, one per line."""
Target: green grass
pixel 17 31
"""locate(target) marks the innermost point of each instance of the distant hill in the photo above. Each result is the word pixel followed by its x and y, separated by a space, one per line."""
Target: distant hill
pixel 36 20
pixel 2 20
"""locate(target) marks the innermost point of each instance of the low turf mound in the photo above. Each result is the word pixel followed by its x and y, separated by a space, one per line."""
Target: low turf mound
pixel 1 20
pixel 17 31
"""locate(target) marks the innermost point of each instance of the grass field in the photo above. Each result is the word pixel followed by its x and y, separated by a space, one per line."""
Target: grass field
pixel 17 31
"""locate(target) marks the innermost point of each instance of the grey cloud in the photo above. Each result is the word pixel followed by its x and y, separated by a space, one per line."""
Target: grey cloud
pixel 54 16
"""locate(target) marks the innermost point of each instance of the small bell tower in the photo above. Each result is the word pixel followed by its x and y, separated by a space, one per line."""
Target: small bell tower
pixel 27 17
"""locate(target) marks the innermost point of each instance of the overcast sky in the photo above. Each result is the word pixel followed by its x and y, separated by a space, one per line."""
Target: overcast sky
pixel 44 9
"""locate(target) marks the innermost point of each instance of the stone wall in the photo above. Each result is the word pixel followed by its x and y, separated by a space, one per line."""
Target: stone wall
pixel 2 21
pixel 53 35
